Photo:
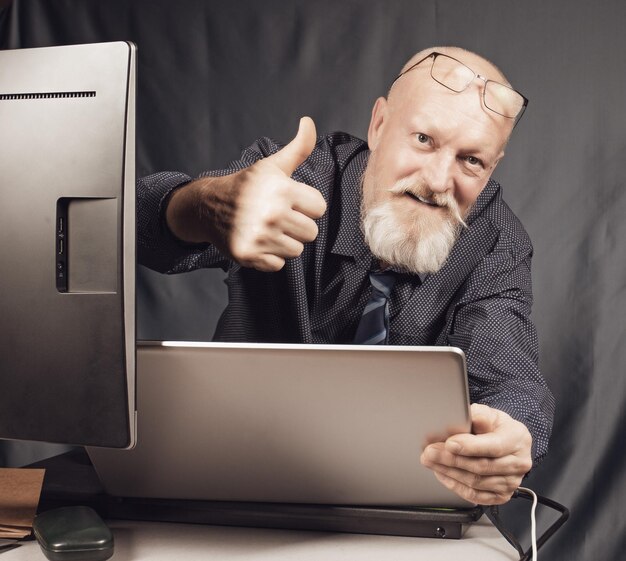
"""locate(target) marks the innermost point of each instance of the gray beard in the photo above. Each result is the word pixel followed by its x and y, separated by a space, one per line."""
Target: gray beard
pixel 419 247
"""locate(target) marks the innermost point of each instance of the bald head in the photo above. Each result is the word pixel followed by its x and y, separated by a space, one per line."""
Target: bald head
pixel 476 62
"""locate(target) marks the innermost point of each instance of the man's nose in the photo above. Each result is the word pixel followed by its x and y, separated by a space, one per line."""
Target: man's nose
pixel 438 172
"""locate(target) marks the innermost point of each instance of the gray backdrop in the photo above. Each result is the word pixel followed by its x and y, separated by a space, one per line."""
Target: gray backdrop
pixel 215 75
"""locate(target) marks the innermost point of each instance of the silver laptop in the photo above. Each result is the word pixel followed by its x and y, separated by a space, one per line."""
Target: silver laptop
pixel 315 424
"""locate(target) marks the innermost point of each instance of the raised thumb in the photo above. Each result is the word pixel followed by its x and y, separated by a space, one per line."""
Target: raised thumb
pixel 298 150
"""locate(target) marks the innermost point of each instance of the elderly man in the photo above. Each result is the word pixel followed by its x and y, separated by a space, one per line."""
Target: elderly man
pixel 408 229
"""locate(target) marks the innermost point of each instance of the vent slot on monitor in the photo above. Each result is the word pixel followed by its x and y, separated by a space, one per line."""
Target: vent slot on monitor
pixel 45 95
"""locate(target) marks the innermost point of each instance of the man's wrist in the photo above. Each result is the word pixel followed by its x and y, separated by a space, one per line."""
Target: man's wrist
pixel 181 216
pixel 165 227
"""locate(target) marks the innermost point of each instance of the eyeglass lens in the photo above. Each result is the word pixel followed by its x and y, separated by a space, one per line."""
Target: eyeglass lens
pixel 451 73
pixel 456 76
pixel 502 99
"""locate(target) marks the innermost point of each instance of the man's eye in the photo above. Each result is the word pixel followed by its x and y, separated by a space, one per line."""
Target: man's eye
pixel 473 161
pixel 422 138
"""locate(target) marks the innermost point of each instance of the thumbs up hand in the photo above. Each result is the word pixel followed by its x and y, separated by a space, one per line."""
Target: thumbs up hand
pixel 259 216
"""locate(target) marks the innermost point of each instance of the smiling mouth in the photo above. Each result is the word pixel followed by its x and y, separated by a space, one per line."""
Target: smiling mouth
pixel 421 199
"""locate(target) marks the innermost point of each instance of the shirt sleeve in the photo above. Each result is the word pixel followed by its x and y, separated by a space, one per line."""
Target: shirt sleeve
pixel 494 329
pixel 157 247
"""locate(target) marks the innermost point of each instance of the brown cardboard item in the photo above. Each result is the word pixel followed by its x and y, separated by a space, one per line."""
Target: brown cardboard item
pixel 19 496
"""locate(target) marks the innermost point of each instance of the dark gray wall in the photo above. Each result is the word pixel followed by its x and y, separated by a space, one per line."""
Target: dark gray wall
pixel 215 75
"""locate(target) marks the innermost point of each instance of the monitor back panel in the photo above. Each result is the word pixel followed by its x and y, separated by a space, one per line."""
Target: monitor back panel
pixel 299 424
pixel 67 332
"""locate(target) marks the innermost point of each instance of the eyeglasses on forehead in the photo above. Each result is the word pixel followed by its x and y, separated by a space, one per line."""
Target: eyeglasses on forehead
pixel 457 76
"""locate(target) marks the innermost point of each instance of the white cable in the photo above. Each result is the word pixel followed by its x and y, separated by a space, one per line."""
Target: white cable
pixel 533 520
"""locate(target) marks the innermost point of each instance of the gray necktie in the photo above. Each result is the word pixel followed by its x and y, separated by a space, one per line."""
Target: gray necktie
pixel 374 325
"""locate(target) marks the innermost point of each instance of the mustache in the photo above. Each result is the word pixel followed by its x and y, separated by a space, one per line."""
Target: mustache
pixel 421 190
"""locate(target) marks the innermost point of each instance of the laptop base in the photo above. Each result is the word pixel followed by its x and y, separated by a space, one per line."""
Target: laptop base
pixel 71 480
pixel 410 522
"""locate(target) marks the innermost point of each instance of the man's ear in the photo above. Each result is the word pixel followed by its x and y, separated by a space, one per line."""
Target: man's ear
pixel 379 114
pixel 500 156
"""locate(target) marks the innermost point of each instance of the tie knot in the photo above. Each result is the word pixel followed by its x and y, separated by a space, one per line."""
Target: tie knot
pixel 383 281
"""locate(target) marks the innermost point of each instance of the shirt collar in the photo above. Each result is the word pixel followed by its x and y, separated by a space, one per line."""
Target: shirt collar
pixel 349 241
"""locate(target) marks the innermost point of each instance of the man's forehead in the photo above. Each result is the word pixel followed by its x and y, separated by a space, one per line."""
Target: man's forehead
pixel 422 98
pixel 419 90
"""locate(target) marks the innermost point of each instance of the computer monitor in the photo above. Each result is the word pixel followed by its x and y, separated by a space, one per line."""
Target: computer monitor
pixel 67 210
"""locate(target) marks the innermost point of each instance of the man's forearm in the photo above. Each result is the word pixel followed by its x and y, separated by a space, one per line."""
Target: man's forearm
pixel 188 213
pixel 157 248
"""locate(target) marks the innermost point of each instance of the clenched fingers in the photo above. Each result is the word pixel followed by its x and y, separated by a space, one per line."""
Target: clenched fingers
pixel 471 494
pixel 307 200
pixel 437 454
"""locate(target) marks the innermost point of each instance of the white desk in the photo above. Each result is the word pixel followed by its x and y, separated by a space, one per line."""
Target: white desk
pixel 154 541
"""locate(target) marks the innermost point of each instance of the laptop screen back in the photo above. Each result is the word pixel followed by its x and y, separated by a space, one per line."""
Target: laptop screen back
pixel 316 424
